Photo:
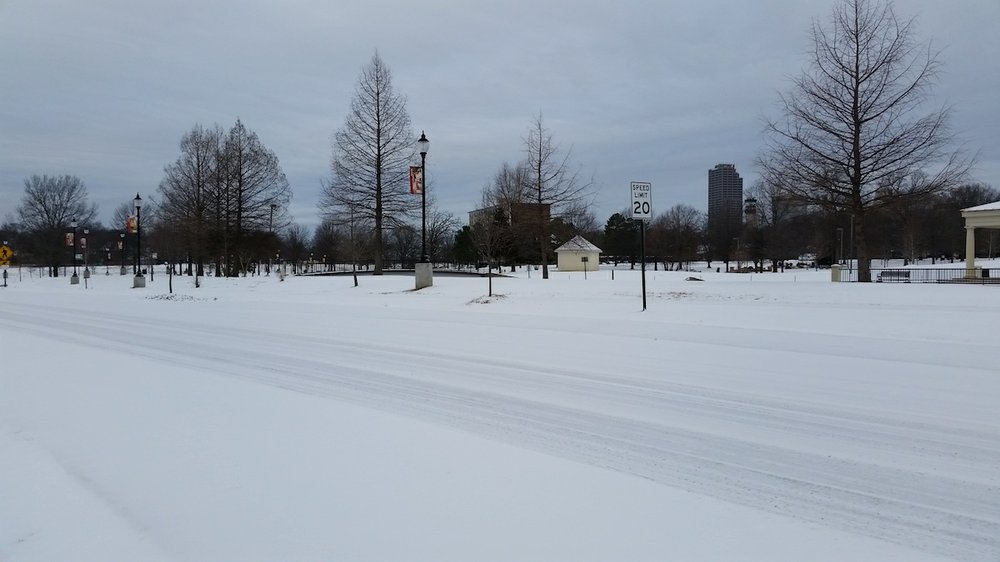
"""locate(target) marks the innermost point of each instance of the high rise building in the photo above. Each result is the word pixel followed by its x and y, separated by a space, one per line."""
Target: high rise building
pixel 725 209
pixel 725 197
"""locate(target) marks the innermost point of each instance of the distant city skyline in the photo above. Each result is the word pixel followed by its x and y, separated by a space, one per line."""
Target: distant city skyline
pixel 637 90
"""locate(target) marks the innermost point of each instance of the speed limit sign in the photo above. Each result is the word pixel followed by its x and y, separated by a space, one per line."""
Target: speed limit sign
pixel 642 202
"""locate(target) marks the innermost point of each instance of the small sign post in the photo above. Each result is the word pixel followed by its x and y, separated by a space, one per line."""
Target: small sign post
pixel 642 210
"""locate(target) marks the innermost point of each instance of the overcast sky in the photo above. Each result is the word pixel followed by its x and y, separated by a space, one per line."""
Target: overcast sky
pixel 639 90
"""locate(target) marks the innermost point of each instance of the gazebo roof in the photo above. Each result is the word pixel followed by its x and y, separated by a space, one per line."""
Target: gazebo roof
pixel 995 206
pixel 982 216
pixel 578 244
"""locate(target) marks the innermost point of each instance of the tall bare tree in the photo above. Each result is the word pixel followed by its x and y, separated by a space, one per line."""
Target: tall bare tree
pixel 225 195
pixel 371 157
pixel 554 185
pixel 854 123
pixel 49 205
pixel 256 182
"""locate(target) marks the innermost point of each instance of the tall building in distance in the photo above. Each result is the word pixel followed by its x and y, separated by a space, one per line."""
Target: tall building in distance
pixel 725 196
pixel 725 208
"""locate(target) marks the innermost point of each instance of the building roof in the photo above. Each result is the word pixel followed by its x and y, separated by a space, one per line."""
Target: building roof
pixel 995 206
pixel 578 244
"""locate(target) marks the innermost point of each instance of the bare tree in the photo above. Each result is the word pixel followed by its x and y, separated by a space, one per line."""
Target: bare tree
pixel 297 239
pixel 404 244
pixel 49 205
pixel 678 232
pixel 371 157
pixel 187 193
pixel 256 182
pixel 348 214
pixel 328 240
pixel 853 127
pixel 441 227
pixel 554 186
pixel 490 233
pixel 773 212
pixel 225 194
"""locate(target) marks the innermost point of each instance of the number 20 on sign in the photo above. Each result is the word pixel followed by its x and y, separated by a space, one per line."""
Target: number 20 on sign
pixel 642 202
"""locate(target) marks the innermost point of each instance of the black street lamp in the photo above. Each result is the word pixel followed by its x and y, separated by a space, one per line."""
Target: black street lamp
pixel 140 280
pixel 74 279
pixel 424 145
pixel 86 252
pixel 121 246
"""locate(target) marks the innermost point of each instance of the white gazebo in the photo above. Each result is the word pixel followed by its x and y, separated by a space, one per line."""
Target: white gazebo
pixel 578 255
pixel 983 216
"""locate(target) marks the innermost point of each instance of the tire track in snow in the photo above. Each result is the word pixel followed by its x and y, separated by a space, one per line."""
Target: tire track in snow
pixel 943 515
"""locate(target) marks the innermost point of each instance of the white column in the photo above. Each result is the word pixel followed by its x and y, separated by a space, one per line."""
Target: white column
pixel 970 251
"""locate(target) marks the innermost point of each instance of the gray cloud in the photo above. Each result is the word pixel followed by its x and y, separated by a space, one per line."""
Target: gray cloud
pixel 659 91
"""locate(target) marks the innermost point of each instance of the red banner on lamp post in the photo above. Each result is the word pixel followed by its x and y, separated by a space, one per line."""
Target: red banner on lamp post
pixel 416 180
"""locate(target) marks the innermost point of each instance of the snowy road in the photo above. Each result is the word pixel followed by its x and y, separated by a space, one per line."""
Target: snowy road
pixel 766 437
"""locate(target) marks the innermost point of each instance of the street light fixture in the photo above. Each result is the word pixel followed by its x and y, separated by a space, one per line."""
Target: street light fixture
pixel 139 281
pixel 74 280
pixel 424 271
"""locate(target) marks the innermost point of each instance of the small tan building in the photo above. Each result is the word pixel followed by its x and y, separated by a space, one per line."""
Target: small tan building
pixel 578 255
pixel 983 216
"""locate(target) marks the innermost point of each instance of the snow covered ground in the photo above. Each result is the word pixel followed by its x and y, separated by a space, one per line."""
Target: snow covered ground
pixel 744 417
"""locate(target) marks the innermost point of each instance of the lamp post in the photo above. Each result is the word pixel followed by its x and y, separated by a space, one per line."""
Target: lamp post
pixel 424 271
pixel 270 234
pixel 74 280
pixel 840 249
pixel 424 145
pixel 86 251
pixel 139 281
pixel 121 246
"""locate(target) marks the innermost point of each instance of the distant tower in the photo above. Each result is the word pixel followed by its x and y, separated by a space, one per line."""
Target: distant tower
pixel 725 208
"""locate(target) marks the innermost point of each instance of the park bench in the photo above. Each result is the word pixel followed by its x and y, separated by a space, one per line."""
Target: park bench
pixel 894 276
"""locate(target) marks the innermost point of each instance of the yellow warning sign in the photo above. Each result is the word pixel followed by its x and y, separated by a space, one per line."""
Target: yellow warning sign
pixel 5 254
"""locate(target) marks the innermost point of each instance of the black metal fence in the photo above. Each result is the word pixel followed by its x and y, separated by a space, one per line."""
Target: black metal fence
pixel 924 275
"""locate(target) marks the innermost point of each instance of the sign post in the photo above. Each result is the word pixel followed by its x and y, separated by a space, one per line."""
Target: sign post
pixel 642 210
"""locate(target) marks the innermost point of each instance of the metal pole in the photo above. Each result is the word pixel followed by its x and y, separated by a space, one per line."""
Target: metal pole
pixel 423 208
pixel 74 250
pixel 840 250
pixel 138 240
pixel 642 250
pixel 270 232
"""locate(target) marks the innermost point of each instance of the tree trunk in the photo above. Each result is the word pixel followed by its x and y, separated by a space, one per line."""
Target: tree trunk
pixel 864 263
